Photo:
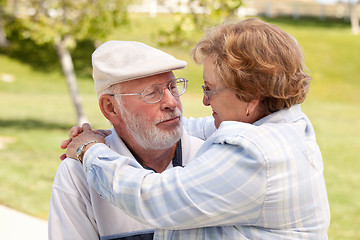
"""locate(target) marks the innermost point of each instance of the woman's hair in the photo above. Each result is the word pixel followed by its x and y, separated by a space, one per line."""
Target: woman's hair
pixel 257 60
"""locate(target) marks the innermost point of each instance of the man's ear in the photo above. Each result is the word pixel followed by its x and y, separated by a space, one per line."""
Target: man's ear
pixel 107 107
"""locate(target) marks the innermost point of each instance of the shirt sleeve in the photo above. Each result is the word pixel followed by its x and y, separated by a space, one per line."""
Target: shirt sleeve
pixel 69 217
pixel 201 128
pixel 223 186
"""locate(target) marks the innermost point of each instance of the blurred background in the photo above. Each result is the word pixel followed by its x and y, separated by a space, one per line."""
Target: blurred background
pixel 46 85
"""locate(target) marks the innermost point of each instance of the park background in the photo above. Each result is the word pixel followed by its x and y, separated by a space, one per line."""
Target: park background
pixel 36 110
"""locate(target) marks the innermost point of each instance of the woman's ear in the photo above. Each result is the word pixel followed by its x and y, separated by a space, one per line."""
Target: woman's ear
pixel 253 105
pixel 253 110
pixel 107 107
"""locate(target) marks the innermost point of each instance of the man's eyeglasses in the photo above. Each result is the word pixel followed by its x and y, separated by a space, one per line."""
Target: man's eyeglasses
pixel 155 93
pixel 208 93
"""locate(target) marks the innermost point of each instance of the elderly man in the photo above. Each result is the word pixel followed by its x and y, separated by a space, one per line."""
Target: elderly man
pixel 139 95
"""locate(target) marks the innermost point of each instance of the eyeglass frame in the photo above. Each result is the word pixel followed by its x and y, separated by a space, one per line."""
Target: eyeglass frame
pixel 209 93
pixel 184 80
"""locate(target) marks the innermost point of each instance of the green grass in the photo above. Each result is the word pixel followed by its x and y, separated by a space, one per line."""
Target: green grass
pixel 36 113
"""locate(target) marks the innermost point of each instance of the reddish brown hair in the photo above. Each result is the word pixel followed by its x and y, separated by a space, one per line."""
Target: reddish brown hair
pixel 257 60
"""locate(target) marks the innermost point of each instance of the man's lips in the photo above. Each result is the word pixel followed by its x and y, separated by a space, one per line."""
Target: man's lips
pixel 170 120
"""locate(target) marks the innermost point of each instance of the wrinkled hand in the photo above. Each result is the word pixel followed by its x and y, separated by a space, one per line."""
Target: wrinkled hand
pixel 80 135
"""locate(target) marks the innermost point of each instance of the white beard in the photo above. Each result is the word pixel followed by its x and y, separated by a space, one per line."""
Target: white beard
pixel 147 134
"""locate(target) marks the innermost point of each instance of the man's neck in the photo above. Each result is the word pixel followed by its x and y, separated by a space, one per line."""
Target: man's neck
pixel 154 159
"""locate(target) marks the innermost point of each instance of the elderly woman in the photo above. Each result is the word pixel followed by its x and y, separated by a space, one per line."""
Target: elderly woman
pixel 258 176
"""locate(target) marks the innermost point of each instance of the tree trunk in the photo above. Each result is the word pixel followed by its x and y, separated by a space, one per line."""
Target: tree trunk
pixel 3 40
pixel 354 18
pixel 68 70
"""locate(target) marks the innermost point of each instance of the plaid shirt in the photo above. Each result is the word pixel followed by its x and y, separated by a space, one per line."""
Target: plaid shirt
pixel 248 181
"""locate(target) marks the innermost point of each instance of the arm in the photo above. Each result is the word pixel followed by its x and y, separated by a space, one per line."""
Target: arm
pixel 199 127
pixel 70 213
pixel 225 185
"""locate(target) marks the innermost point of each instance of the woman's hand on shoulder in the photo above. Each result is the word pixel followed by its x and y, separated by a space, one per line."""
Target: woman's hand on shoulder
pixel 75 132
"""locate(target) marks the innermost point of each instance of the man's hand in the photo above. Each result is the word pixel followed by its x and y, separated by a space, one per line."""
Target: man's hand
pixel 80 135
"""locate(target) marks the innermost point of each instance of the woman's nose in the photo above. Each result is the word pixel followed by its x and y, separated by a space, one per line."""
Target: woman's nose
pixel 206 101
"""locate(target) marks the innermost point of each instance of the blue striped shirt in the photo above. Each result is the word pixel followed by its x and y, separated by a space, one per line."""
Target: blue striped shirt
pixel 248 181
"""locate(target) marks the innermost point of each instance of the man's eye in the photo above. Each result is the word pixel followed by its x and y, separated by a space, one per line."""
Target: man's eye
pixel 149 93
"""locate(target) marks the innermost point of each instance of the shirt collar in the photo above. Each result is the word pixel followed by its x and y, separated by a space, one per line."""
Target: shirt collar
pixel 284 115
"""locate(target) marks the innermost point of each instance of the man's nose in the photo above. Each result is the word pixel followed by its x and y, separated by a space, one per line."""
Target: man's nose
pixel 168 101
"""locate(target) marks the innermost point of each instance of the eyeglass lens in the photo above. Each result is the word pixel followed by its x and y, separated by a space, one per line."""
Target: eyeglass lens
pixel 205 91
pixel 155 92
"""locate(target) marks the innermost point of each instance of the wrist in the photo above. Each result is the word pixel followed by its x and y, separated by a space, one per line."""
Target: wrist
pixel 89 146
pixel 80 152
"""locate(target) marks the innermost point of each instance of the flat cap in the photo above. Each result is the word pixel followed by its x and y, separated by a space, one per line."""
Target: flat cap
pixel 119 61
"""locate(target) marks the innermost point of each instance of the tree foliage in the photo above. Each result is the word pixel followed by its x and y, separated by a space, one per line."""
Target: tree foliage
pixel 62 24
pixel 52 20
pixel 186 24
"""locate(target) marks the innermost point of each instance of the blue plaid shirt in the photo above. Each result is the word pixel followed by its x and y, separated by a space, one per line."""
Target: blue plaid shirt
pixel 248 181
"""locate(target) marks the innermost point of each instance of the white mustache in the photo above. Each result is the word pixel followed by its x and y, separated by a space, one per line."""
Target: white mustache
pixel 170 115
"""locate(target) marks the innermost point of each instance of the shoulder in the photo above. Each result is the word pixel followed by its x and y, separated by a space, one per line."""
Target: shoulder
pixel 254 140
pixel 190 145
pixel 232 132
pixel 280 133
pixel 70 167
pixel 70 177
pixel 233 138
pixel 191 139
pixel 199 127
pixel 186 138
